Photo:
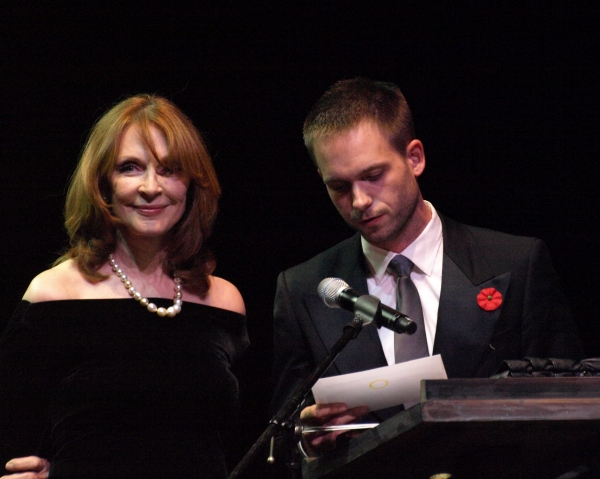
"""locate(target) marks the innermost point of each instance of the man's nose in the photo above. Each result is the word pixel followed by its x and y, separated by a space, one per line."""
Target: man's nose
pixel 361 200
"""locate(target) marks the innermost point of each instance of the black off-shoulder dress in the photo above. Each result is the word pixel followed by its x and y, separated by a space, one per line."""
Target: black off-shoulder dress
pixel 105 389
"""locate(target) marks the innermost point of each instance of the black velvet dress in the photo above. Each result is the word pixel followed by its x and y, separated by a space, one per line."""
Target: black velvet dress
pixel 103 388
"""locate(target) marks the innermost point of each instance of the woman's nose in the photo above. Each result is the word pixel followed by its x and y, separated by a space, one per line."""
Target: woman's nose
pixel 150 183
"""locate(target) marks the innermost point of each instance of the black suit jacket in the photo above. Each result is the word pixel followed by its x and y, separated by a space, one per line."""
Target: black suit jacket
pixel 533 320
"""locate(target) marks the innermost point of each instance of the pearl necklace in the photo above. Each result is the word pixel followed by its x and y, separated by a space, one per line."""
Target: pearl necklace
pixel 171 311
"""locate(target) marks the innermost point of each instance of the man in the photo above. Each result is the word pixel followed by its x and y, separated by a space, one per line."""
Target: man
pixel 360 136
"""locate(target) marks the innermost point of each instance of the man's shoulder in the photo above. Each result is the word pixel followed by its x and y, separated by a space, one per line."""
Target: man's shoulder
pixel 326 262
pixel 454 229
pixel 497 247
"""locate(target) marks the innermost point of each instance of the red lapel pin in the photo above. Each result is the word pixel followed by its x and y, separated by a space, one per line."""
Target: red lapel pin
pixel 489 299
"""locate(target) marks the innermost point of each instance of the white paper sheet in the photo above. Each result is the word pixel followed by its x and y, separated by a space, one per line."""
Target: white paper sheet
pixel 382 387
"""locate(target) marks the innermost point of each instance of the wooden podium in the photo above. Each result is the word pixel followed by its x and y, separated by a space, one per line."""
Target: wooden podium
pixel 478 428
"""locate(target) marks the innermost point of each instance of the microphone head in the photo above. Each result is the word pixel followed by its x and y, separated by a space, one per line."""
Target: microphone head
pixel 330 289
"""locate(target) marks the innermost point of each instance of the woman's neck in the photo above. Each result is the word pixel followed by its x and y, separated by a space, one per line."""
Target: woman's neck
pixel 147 255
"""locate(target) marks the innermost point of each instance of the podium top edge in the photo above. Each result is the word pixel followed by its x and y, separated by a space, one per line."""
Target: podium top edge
pixel 511 388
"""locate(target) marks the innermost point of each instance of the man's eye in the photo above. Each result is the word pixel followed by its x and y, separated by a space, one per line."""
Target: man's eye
pixel 338 188
pixel 373 177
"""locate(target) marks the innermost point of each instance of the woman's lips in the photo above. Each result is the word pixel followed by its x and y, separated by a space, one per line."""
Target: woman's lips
pixel 150 210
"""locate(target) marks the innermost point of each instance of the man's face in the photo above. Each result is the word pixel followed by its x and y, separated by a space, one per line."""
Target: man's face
pixel 373 186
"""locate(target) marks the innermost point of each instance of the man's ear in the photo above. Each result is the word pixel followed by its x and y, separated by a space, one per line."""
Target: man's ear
pixel 415 156
pixel 320 174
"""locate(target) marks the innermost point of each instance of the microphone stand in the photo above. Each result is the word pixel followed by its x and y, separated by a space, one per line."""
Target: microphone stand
pixel 366 310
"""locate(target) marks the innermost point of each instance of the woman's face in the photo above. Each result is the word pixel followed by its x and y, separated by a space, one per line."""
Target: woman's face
pixel 148 198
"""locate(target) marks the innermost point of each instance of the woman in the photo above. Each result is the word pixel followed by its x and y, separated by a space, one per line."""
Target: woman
pixel 116 362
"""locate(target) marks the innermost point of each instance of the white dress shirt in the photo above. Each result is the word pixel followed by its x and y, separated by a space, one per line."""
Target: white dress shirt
pixel 426 252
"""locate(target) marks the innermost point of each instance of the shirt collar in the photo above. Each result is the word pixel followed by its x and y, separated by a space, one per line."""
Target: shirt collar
pixel 422 251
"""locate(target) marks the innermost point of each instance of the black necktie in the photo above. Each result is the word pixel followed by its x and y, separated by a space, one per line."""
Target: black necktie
pixel 407 347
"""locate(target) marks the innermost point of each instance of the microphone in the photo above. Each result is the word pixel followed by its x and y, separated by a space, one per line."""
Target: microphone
pixel 336 293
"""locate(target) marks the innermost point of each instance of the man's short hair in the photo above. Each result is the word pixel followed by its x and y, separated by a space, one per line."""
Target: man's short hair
pixel 349 102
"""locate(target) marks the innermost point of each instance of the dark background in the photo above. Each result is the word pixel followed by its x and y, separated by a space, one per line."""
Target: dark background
pixel 505 97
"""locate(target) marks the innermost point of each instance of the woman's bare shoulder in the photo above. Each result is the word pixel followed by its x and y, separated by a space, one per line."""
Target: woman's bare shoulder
pixel 57 283
pixel 223 294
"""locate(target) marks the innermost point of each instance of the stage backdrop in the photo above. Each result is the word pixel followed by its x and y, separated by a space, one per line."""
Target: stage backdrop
pixel 505 98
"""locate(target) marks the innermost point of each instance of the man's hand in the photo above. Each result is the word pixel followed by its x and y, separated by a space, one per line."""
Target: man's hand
pixel 30 467
pixel 328 415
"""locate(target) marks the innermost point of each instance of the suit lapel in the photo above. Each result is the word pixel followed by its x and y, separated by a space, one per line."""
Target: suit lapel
pixel 364 352
pixel 464 329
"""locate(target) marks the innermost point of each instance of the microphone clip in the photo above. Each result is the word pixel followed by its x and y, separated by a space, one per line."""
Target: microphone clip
pixel 368 309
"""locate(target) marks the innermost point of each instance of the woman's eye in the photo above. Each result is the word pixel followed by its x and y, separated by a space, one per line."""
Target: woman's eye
pixel 125 167
pixel 164 171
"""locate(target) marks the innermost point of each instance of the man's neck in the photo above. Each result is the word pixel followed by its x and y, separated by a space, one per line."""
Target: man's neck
pixel 413 228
